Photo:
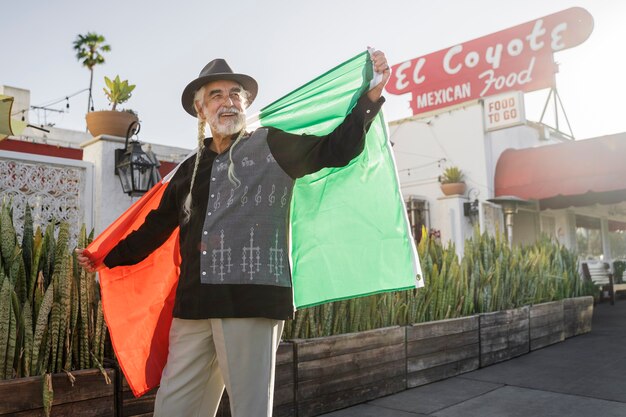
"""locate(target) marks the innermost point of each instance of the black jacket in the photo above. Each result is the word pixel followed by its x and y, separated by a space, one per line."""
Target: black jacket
pixel 297 155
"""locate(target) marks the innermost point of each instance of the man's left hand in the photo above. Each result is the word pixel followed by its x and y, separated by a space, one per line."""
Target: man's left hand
pixel 86 262
pixel 379 61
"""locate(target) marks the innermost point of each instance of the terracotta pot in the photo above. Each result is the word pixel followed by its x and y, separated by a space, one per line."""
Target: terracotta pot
pixel 453 188
pixel 108 122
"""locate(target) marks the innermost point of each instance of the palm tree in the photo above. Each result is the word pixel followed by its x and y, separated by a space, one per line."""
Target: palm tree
pixel 89 50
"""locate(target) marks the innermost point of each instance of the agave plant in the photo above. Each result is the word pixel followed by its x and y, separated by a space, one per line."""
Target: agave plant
pixel 50 312
pixel 452 174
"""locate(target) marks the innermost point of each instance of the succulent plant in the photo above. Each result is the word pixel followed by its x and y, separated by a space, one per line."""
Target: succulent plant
pixel 451 175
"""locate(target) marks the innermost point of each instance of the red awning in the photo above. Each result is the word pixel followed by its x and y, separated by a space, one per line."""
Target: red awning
pixel 577 173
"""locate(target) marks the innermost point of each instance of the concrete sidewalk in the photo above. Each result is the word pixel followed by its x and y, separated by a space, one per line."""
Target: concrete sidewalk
pixel 582 376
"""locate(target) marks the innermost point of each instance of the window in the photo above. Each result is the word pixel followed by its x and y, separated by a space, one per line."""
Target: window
pixel 588 237
pixel 417 210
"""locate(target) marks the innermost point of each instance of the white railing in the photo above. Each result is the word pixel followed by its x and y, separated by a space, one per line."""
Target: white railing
pixel 57 189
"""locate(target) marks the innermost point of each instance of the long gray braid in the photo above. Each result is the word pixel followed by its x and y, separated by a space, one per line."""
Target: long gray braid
pixel 187 203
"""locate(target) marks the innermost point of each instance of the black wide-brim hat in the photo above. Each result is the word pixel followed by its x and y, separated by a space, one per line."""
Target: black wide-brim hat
pixel 216 70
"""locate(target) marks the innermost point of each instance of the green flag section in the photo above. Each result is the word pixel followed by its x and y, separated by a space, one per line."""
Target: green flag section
pixel 349 230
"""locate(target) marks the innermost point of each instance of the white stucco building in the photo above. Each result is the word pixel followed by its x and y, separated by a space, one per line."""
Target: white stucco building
pixel 594 215
pixel 66 174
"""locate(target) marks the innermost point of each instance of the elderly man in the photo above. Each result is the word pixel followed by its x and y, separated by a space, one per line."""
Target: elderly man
pixel 231 202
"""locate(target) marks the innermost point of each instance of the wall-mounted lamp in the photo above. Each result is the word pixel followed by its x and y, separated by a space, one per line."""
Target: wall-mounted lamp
pixel 470 208
pixel 137 170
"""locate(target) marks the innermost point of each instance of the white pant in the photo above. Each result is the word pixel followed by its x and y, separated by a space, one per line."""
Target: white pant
pixel 206 355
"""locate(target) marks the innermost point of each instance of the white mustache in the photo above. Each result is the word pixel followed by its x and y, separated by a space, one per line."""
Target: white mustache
pixel 223 110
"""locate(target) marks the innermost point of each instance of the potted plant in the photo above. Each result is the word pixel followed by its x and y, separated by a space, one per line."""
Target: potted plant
pixel 113 122
pixel 452 181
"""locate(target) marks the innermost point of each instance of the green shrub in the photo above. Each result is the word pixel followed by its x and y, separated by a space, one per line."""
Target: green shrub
pixel 452 175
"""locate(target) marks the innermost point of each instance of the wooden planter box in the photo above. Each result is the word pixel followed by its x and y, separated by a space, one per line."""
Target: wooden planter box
pixel 577 315
pixel 131 406
pixel 546 324
pixel 441 349
pixel 317 376
pixel 504 335
pixel 285 385
pixel 339 371
pixel 90 396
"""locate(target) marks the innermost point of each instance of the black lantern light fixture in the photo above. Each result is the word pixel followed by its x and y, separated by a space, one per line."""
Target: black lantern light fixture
pixel 471 209
pixel 137 169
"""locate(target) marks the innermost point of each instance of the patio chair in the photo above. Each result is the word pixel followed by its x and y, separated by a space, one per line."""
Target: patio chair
pixel 600 274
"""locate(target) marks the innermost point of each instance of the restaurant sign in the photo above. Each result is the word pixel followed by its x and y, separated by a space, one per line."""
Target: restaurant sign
pixel 518 58
pixel 504 110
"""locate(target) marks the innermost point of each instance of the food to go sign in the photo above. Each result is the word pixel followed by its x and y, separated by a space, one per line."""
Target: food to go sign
pixel 504 110
pixel 518 58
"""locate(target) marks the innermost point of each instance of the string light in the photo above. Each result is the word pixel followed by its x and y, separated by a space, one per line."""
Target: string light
pixel 408 170
pixel 46 107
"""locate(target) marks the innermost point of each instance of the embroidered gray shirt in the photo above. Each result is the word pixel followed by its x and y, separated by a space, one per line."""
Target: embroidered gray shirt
pixel 244 236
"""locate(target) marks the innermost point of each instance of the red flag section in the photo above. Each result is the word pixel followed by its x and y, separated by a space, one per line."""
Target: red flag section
pixel 138 300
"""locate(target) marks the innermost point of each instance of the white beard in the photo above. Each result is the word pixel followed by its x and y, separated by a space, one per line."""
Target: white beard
pixel 228 126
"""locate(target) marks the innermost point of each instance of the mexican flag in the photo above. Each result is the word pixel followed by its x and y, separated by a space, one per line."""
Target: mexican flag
pixel 350 235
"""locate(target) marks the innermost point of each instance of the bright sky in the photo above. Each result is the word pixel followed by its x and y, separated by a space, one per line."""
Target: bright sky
pixel 161 45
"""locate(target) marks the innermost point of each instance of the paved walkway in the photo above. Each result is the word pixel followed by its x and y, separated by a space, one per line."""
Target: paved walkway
pixel 582 376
